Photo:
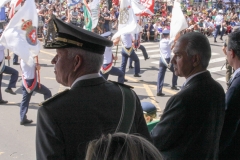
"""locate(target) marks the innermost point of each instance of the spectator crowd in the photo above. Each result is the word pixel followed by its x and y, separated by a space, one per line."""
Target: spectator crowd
pixel 200 16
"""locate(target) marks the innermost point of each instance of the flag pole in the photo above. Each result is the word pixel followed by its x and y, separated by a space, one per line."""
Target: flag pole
pixel 8 55
pixel 38 72
pixel 116 55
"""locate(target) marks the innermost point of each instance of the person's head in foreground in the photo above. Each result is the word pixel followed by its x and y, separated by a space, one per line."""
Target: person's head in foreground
pixel 149 111
pixel 121 146
pixel 192 54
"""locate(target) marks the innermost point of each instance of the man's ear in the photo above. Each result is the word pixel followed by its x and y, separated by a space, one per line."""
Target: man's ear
pixel 77 62
pixel 196 59
pixel 232 53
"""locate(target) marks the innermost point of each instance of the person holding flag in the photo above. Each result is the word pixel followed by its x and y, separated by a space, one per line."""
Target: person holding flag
pixel 7 70
pixel 30 84
pixel 128 51
pixel 20 36
pixel 107 67
pixel 136 45
pixel 165 52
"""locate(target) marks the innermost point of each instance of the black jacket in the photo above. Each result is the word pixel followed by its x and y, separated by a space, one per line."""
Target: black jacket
pixel 67 122
pixel 192 121
pixel 230 137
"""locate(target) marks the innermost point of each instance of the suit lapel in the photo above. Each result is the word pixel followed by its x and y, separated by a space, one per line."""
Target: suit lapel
pixel 237 75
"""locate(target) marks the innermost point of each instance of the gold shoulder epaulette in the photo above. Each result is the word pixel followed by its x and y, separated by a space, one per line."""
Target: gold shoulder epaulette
pixel 122 84
pixel 57 95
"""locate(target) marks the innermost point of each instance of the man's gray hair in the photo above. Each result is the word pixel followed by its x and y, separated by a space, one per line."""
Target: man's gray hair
pixel 197 43
pixel 234 42
pixel 92 62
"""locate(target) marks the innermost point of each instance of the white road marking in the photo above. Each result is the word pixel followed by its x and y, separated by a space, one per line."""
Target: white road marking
pixel 216 69
pixel 222 79
pixel 217 60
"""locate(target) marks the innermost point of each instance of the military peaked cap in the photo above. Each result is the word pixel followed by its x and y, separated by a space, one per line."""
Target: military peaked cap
pixel 69 35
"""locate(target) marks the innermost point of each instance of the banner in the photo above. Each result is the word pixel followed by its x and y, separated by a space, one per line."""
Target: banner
pixel 15 6
pixel 127 18
pixel 116 2
pixel 20 35
pixel 72 2
pixel 149 4
pixel 87 16
pixel 95 10
pixel 178 21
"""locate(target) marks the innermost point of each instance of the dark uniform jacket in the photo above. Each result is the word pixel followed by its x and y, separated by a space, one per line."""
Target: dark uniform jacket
pixel 67 122
pixel 230 137
pixel 192 121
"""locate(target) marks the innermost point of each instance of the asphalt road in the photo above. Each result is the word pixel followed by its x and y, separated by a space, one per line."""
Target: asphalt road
pixel 18 142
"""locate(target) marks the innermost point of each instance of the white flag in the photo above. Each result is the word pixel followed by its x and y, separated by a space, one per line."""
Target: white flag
pixel 20 35
pixel 139 8
pixel 127 20
pixel 178 21
pixel 95 10
pixel 3 2
pixel 15 6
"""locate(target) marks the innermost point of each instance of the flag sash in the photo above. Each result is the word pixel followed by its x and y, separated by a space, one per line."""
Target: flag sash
pixel 128 51
pixel 106 69
pixel 31 88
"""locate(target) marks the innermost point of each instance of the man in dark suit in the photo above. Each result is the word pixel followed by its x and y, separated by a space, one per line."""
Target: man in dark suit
pixel 92 107
pixel 192 121
pixel 230 137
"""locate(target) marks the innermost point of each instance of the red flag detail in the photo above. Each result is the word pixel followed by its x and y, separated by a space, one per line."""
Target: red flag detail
pixel 149 4
pixel 13 6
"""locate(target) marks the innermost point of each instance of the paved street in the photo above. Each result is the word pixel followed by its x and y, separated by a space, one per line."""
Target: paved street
pixel 18 142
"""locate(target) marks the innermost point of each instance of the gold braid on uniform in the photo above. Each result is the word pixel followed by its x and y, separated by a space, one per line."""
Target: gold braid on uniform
pixel 69 41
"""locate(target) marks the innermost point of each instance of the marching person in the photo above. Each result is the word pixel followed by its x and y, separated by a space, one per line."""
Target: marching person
pixel 107 67
pixel 230 136
pixel 7 70
pixel 219 25
pixel 128 51
pixel 91 107
pixel 30 84
pixel 136 45
pixel 192 121
pixel 165 49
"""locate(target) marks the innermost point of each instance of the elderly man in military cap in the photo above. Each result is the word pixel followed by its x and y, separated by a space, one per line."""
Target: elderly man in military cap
pixel 91 107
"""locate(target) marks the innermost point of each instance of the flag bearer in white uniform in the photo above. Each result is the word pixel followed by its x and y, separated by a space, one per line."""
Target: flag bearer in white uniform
pixel 30 84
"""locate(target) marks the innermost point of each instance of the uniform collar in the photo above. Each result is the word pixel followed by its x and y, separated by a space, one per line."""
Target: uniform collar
pixel 87 76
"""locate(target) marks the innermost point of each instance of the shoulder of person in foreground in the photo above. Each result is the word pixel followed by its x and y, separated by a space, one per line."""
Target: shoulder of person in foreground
pixel 124 85
pixel 54 97
pixel 140 125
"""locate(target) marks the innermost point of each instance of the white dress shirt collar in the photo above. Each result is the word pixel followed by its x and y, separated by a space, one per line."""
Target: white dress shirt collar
pixel 189 78
pixel 234 74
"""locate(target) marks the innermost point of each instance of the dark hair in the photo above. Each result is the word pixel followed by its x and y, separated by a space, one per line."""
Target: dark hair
pixel 197 43
pixel 122 146
pixel 234 42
